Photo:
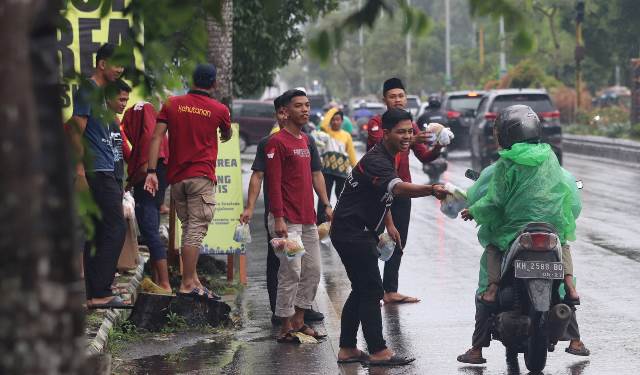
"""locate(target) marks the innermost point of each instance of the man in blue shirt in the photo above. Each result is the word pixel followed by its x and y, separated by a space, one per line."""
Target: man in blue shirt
pixel 93 143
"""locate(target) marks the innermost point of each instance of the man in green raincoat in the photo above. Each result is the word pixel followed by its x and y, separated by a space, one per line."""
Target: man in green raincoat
pixel 526 184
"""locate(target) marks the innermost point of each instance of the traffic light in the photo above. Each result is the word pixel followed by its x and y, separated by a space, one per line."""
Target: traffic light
pixel 580 11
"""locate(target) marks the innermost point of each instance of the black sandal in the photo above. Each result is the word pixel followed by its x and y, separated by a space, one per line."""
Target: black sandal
pixel 583 351
pixel 288 338
pixel 395 360
pixel 115 303
pixel 468 358
pixel 362 358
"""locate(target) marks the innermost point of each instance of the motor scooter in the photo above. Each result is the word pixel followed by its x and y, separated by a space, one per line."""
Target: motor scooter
pixel 528 316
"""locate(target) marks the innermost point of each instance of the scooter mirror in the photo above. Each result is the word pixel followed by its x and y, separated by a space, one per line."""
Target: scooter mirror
pixel 472 175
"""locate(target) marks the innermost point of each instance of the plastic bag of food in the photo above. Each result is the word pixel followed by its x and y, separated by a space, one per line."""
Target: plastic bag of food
pixel 242 233
pixel 386 246
pixel 291 246
pixel 454 202
pixel 128 206
pixel 443 135
pixel 323 231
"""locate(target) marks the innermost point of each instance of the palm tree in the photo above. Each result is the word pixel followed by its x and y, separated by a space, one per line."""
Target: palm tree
pixel 220 50
pixel 41 305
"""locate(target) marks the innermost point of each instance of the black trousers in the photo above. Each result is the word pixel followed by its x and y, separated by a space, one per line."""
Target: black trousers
pixel 401 213
pixel 102 253
pixel 273 265
pixel 329 181
pixel 363 304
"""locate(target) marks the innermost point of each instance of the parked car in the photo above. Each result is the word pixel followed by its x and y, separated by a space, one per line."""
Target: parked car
pixel 459 108
pixel 255 117
pixel 413 105
pixel 483 145
pixel 318 103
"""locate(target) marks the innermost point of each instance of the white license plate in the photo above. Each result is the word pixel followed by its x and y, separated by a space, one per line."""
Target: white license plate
pixel 535 269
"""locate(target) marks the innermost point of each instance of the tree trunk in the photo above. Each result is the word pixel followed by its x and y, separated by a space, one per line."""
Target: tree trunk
pixel 41 318
pixel 220 51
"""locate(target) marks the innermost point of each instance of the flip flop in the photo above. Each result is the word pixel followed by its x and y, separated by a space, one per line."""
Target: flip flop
pixel 288 338
pixel 316 335
pixel 115 303
pixel 405 299
pixel 395 360
pixel 468 358
pixel 361 358
pixel 583 351
pixel 197 293
pixel 211 294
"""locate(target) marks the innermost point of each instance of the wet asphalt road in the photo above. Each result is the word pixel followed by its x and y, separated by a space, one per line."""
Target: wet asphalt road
pixel 440 265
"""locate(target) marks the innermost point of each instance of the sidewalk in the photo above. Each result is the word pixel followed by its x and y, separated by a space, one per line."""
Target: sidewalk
pixel 259 353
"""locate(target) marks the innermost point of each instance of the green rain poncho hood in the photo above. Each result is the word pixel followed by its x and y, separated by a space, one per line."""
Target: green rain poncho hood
pixel 526 184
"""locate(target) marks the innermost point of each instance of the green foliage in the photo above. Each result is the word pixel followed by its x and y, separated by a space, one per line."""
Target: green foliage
pixel 175 322
pixel 331 38
pixel 612 122
pixel 266 36
pixel 529 73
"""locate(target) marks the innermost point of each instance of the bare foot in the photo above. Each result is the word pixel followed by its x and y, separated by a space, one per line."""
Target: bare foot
pixel 395 297
pixel 382 355
pixel 490 294
pixel 348 353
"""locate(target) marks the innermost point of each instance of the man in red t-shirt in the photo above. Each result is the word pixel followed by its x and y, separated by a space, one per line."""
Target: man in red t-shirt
pixel 290 183
pixel 138 124
pixel 394 96
pixel 193 121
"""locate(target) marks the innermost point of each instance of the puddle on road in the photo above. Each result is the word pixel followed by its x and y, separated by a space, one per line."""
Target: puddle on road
pixel 207 356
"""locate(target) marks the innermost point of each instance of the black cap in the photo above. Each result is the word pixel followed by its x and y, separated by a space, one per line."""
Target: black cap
pixel 390 84
pixel 204 76
pixel 393 116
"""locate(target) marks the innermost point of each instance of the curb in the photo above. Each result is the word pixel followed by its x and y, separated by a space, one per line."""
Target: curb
pixel 609 148
pixel 97 345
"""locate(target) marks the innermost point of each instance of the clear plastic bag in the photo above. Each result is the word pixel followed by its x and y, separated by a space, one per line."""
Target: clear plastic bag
pixel 323 232
pixel 242 233
pixel 443 135
pixel 291 246
pixel 454 202
pixel 128 206
pixel 386 246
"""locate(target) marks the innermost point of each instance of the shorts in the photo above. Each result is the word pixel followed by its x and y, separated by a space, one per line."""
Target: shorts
pixel 195 201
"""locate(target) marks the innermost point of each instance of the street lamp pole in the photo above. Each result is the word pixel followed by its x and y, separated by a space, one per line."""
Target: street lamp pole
pixel 503 55
pixel 447 42
pixel 579 52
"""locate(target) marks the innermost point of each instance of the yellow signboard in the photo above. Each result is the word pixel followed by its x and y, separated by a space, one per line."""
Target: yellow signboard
pixel 82 32
pixel 229 199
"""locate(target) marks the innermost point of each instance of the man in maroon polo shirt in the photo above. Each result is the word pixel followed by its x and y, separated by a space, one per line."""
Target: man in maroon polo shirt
pixel 138 124
pixel 193 121
pixel 394 96
pixel 290 183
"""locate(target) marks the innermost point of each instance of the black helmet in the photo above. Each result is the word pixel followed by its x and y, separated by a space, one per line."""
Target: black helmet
pixel 517 123
pixel 434 101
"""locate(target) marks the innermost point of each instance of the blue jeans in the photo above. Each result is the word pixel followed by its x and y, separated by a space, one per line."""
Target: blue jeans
pixel 148 217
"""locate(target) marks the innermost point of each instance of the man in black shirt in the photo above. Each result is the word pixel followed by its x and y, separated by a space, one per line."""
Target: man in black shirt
pixel 117 97
pixel 259 166
pixel 361 215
